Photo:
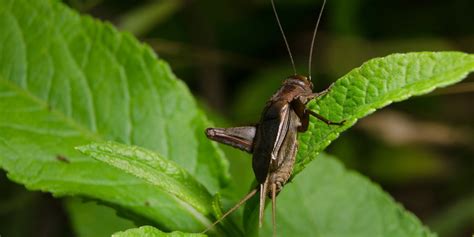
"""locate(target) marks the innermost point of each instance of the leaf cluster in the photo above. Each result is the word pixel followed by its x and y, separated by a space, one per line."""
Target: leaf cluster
pixel 68 81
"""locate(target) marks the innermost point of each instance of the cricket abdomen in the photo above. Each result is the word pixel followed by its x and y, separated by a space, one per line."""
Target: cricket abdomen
pixel 283 174
pixel 280 171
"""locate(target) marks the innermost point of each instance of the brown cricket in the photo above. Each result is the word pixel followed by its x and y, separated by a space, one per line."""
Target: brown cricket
pixel 273 141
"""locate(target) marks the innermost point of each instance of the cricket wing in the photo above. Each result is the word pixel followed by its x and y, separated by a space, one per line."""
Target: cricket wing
pixel 270 134
pixel 238 137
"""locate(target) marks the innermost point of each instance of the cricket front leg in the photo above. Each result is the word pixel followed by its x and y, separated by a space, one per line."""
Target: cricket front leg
pixel 327 121
pixel 299 105
pixel 321 93
pixel 238 137
pixel 300 109
pixel 307 97
pixel 304 113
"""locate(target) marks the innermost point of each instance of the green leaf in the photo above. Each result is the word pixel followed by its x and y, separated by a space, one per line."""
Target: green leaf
pixel 328 200
pixel 89 219
pixel 153 168
pixel 149 231
pixel 67 80
pixel 374 85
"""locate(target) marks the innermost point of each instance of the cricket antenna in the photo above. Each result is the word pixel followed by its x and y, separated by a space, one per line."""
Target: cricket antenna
pixel 284 37
pixel 312 41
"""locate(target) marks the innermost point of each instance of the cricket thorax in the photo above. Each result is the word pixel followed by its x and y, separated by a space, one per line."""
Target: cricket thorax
pixel 293 87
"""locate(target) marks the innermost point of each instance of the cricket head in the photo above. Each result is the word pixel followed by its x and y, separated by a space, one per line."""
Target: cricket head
pixel 300 81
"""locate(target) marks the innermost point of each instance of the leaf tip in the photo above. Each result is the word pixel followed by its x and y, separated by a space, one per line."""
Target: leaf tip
pixel 82 148
pixel 86 149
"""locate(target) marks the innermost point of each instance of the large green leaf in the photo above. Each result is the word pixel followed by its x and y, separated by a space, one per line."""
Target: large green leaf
pixel 327 200
pixel 149 231
pixel 153 168
pixel 89 219
pixel 67 80
pixel 374 85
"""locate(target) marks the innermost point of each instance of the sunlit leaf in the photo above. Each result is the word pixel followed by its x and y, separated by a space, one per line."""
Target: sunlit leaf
pixel 374 85
pixel 68 80
pixel 156 170
pixel 149 231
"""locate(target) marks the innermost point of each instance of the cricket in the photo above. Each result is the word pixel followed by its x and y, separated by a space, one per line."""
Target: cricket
pixel 273 141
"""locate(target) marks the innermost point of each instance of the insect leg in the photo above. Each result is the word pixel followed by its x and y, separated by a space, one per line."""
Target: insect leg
pixel 316 95
pixel 327 121
pixel 303 113
pixel 320 94
pixel 300 110
pixel 323 93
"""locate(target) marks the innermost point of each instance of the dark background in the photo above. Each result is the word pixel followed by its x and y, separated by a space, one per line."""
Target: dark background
pixel 232 56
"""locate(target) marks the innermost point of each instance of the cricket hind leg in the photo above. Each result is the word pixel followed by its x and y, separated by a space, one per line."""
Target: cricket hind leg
pixel 238 137
pixel 240 203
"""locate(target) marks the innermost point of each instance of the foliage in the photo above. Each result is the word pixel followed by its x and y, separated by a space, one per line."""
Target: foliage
pixel 80 81
pixel 376 84
pixel 70 81
pixel 163 174
pixel 149 231
pixel 94 220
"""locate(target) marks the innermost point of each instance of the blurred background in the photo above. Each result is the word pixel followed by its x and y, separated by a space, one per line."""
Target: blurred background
pixel 232 56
